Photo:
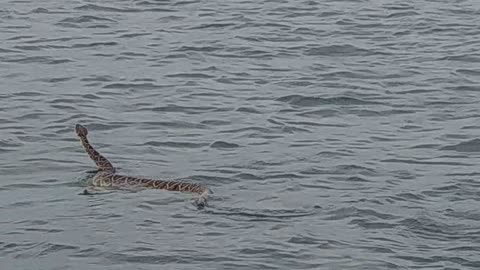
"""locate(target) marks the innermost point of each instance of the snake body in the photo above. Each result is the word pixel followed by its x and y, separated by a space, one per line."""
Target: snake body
pixel 107 177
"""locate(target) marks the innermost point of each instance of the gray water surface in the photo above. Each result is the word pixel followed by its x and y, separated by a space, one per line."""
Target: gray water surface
pixel 334 134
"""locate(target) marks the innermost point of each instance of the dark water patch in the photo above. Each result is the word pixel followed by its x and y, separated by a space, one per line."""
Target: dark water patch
pixel 430 229
pixel 470 215
pixel 137 86
pixel 215 122
pixel 371 225
pixel 339 50
pixel 7 143
pixel 28 94
pixel 190 75
pixel 93 7
pixel 469 146
pixel 19 37
pixel 463 174
pixel 2 50
pixel 449 188
pixel 55 80
pixel 371 113
pixel 248 110
pixel 109 93
pixel 321 112
pixel 407 197
pixel 36 60
pixel 333 154
pixel 440 163
pixel 351 179
pixel 85 19
pixel 224 145
pixel 284 176
pixel 426 146
pixel 87 253
pixel 133 35
pixel 198 49
pixel 471 127
pixel 134 54
pixel 155 259
pixel 467 58
pixel 94 44
pixel 103 54
pixel 28 48
pixel 103 8
pixel 55 39
pixel 304 240
pixel 313 124
pixel 44 11
pixel 212 25
pixel 98 78
pixel 48 248
pixel 471 72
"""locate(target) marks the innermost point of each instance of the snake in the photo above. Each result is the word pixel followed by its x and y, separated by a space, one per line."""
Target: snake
pixel 106 175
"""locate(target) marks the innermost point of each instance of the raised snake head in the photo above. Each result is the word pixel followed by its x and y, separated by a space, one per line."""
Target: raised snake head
pixel 81 130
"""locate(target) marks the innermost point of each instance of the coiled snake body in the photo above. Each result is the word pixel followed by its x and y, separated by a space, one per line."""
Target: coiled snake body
pixel 106 176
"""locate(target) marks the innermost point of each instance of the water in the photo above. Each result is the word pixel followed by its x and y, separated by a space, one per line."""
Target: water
pixel 335 134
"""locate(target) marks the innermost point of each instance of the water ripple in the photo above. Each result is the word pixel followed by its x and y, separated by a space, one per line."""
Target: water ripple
pixel 335 135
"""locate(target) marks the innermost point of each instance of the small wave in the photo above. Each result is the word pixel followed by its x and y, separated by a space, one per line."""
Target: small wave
pixel 37 59
pixel 103 8
pixel 339 50
pixel 198 49
pixel 349 212
pixel 94 44
pixel 142 86
pixel 212 25
pixel 176 144
pixel 308 101
pixel 410 161
pixel 174 124
pixel 262 215
pixel 190 75
pixel 133 35
pixel 185 109
pixel 94 7
pixel 40 10
pixel 254 129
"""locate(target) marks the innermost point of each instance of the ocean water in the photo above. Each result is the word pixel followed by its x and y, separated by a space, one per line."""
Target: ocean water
pixel 334 134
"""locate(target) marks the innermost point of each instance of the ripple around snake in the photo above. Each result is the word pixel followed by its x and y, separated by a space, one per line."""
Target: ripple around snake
pixel 334 135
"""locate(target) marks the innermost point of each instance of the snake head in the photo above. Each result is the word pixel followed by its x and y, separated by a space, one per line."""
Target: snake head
pixel 81 130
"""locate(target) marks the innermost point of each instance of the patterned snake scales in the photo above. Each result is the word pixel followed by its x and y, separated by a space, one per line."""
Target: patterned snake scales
pixel 106 176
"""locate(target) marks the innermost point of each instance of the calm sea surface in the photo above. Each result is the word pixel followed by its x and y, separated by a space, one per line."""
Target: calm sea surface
pixel 334 134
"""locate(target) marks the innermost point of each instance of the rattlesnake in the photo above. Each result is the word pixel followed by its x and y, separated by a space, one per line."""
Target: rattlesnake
pixel 107 177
